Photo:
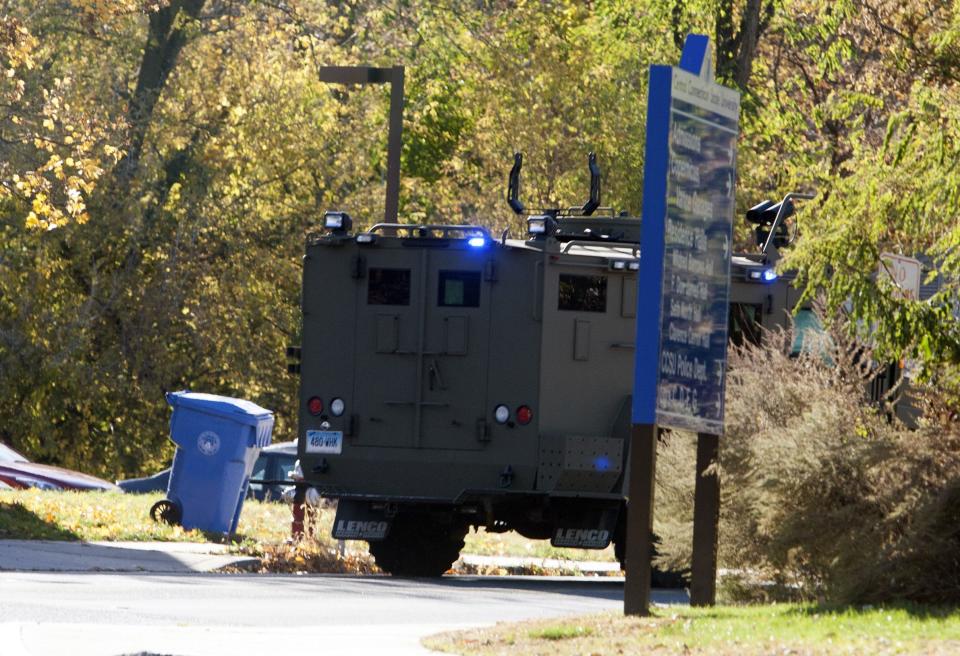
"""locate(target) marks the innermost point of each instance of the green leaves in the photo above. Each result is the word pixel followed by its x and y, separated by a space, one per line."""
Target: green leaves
pixel 243 149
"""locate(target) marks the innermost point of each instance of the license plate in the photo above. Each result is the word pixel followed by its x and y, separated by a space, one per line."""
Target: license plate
pixel 320 441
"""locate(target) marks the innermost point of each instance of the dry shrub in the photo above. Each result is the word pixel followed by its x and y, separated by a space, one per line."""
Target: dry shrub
pixel 315 552
pixel 307 556
pixel 824 494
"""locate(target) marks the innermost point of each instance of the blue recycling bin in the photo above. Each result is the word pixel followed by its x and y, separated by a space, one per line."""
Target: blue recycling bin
pixel 218 440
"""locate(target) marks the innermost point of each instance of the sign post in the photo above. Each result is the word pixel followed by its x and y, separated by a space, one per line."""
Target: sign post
pixel 683 296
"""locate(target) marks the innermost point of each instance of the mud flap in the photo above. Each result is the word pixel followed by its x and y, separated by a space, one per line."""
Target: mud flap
pixel 356 520
pixel 592 530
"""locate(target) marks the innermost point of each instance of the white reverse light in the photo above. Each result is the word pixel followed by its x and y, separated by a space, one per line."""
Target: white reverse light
pixel 501 413
pixel 336 407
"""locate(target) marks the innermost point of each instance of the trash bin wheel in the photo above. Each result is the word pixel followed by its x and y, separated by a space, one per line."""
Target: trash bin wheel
pixel 166 511
pixel 419 548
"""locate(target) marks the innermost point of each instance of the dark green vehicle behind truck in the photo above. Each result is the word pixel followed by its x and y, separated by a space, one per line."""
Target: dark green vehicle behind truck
pixel 451 378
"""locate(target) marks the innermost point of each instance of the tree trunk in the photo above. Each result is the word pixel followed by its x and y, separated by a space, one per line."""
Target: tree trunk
pixel 165 39
pixel 736 48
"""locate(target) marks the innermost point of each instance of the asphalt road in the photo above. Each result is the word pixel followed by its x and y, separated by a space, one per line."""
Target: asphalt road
pixel 46 614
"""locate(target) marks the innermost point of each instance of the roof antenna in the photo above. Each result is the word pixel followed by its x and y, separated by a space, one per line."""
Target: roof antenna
pixel 591 205
pixel 513 186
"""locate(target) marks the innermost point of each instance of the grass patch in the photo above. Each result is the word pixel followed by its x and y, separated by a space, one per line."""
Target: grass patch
pixel 112 516
pixel 561 632
pixel 264 531
pixel 724 630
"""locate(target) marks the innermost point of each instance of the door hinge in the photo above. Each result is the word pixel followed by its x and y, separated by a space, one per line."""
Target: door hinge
pixel 294 353
pixel 483 431
pixel 358 267
pixel 490 271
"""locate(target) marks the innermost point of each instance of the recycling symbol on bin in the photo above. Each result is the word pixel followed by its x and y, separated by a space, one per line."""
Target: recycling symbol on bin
pixel 208 442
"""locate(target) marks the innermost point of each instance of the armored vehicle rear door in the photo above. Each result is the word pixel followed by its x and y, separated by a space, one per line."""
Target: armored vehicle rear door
pixel 456 343
pixel 386 346
pixel 423 315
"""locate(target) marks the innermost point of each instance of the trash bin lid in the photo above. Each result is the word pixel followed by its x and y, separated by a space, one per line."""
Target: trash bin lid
pixel 239 410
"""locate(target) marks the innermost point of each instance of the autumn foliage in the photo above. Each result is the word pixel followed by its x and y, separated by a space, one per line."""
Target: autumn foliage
pixel 161 163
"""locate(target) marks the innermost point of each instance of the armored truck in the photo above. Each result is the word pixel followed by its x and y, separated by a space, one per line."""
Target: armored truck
pixel 452 378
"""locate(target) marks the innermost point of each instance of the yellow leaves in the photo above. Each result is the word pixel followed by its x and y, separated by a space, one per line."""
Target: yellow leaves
pixel 75 204
pixel 68 140
pixel 173 197
pixel 105 11
pixel 39 203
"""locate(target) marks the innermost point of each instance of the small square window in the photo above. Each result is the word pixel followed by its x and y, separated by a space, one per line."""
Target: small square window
pixel 389 287
pixel 582 293
pixel 459 289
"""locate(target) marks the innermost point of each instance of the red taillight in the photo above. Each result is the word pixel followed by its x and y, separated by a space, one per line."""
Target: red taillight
pixel 524 415
pixel 315 405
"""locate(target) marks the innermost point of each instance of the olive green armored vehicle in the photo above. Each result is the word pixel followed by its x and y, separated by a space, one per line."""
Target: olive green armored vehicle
pixel 452 378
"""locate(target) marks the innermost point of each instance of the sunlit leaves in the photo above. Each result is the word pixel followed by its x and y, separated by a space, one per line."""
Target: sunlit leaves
pixel 55 148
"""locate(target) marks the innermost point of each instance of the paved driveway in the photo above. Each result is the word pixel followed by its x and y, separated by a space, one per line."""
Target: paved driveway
pixel 211 615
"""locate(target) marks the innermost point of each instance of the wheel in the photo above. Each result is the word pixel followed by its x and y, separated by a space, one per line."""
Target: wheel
pixel 419 548
pixel 166 511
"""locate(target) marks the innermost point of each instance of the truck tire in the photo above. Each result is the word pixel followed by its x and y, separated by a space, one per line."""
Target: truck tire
pixel 418 548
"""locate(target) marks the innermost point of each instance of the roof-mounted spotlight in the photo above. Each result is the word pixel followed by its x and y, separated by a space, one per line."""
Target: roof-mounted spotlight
pixel 541 226
pixel 337 222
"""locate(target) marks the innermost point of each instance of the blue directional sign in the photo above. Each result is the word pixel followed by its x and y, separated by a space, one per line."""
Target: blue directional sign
pixel 684 284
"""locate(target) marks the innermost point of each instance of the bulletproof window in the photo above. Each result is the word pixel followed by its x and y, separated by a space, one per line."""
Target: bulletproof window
pixel 583 293
pixel 389 287
pixel 459 289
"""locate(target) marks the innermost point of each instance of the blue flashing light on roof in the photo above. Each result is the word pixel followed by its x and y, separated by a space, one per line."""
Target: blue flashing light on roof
pixel 769 275
pixel 477 242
